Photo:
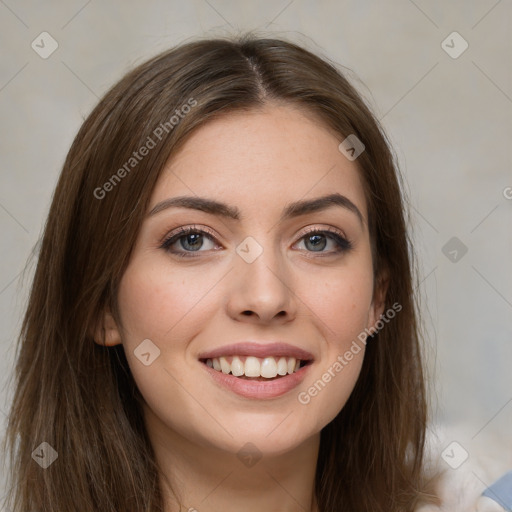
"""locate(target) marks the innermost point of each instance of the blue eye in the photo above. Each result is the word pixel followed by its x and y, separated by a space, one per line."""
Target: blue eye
pixel 192 239
pixel 318 240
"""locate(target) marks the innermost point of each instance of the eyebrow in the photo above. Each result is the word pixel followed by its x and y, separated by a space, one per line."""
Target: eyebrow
pixel 290 211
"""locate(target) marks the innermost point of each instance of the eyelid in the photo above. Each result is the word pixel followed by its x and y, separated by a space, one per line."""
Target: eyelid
pixel 329 229
pixel 192 227
pixel 338 236
pixel 183 230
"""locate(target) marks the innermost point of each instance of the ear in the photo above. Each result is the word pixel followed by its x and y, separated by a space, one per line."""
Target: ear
pixel 379 298
pixel 107 332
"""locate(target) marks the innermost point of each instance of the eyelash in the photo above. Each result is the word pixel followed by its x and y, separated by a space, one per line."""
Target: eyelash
pixel 344 245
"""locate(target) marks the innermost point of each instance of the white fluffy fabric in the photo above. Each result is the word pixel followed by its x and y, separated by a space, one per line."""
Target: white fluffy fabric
pixel 489 458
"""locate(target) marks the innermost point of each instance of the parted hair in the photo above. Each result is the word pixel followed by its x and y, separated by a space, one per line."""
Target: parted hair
pixel 81 398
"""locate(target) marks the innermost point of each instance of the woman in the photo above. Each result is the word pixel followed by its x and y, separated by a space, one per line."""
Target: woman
pixel 222 315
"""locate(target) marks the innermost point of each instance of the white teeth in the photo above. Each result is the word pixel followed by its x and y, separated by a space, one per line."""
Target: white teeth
pixel 224 365
pixel 269 368
pixel 282 366
pixel 266 367
pixel 252 367
pixel 237 367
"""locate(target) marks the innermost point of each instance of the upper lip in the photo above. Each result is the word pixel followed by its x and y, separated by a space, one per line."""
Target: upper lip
pixel 257 349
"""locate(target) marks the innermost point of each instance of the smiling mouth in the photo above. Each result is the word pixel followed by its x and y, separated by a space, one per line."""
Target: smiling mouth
pixel 256 368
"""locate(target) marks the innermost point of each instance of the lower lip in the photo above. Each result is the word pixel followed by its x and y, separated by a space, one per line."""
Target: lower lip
pixel 259 389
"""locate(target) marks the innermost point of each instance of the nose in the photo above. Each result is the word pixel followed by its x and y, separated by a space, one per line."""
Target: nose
pixel 262 291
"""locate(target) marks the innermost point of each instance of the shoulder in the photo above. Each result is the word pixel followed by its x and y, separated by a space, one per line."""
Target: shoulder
pixel 462 465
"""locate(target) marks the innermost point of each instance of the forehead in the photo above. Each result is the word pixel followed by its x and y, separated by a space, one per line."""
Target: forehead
pixel 262 158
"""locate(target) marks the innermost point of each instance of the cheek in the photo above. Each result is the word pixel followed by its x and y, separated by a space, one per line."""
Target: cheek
pixel 168 308
pixel 158 304
pixel 342 302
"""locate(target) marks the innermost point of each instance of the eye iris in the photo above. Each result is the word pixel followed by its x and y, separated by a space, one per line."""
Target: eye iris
pixel 195 237
pixel 318 239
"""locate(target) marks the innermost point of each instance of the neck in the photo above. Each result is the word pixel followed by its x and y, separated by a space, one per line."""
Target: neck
pixel 206 479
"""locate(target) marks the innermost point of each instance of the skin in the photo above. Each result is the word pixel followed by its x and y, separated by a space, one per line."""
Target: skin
pixel 259 162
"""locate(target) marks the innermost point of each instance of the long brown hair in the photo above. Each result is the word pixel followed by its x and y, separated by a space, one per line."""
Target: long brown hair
pixel 80 397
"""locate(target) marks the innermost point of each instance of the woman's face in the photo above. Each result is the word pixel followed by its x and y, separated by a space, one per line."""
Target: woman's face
pixel 250 283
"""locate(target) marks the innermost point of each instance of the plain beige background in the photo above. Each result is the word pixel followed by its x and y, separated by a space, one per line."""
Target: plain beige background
pixel 449 120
